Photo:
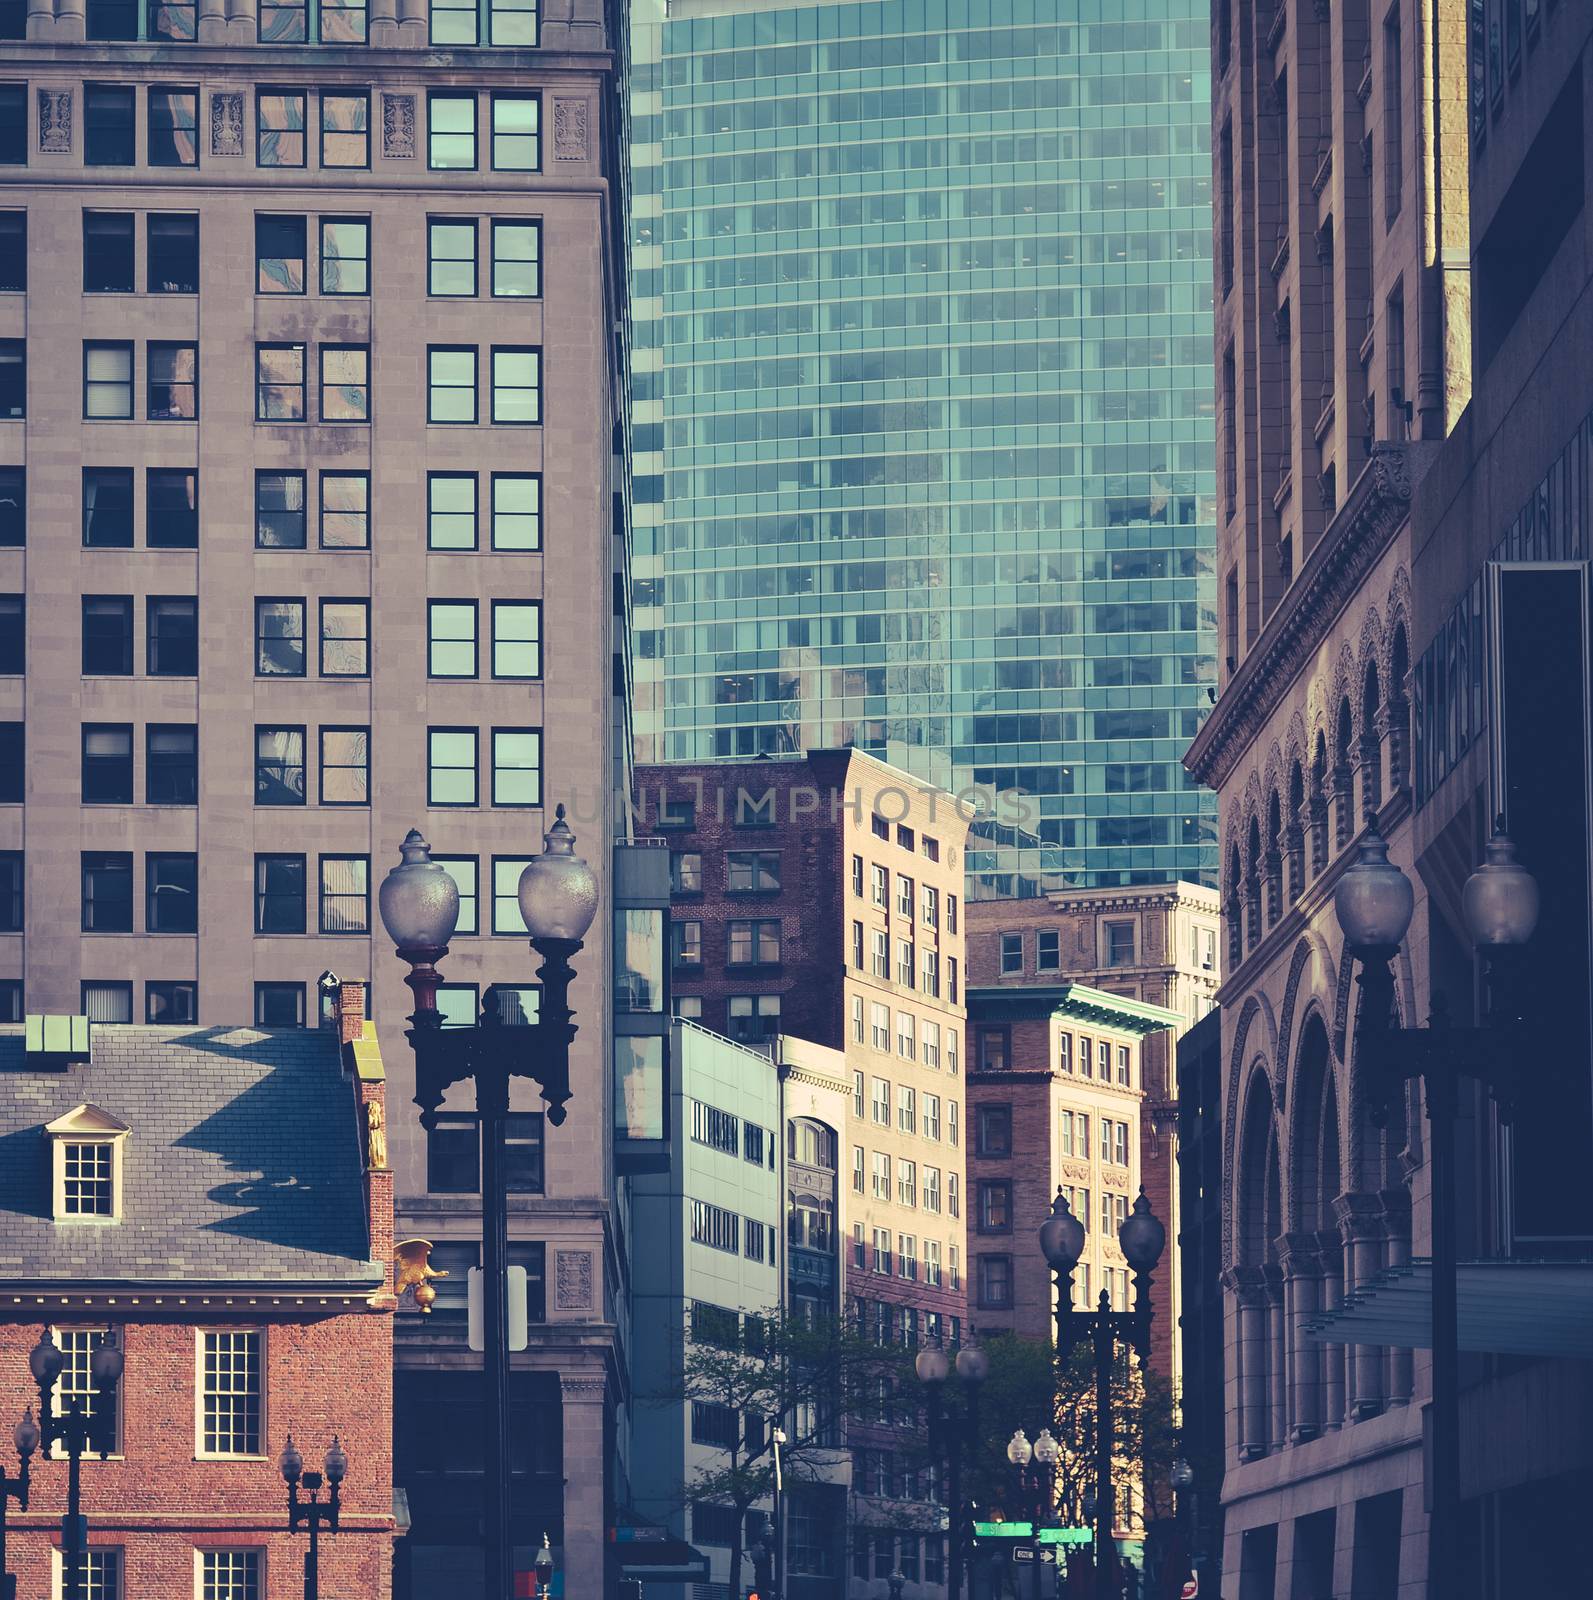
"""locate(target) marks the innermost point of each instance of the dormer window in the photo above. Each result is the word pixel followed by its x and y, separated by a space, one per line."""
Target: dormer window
pixel 86 1164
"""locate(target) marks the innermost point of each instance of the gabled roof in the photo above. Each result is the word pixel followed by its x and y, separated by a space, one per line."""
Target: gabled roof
pixel 1008 1002
pixel 243 1165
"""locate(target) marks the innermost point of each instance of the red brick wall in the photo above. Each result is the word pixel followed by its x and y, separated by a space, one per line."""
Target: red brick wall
pixel 332 1374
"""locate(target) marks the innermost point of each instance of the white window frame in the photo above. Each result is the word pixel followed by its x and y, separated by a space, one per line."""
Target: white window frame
pixel 258 1551
pixel 86 1124
pixel 58 1446
pixel 58 1568
pixel 200 1453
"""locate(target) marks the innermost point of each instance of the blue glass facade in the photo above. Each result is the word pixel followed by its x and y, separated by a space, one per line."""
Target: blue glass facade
pixel 923 431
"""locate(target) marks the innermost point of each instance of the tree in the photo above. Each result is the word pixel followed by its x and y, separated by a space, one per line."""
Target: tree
pixel 758 1371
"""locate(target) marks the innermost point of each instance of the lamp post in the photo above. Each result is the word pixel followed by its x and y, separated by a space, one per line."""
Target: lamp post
pixel 1181 1477
pixel 1141 1239
pixel 542 1568
pixel 1374 903
pixel 79 1430
pixel 26 1438
pixel 312 1511
pixel 972 1367
pixel 895 1583
pixel 420 907
pixel 1035 1465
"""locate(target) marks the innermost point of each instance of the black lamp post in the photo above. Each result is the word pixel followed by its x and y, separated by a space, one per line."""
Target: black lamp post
pixel 79 1431
pixel 895 1583
pixel 542 1568
pixel 1182 1479
pixel 311 1511
pixel 1141 1239
pixel 420 907
pixel 1035 1465
pixel 762 1554
pixel 933 1367
pixel 1374 903
pixel 26 1438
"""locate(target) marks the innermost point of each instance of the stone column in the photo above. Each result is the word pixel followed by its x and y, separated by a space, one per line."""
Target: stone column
pixel 1341 798
pixel 41 19
pixel 243 24
pixel 1331 1249
pixel 212 23
pixel 1273 878
pixel 384 24
pixel 1371 765
pixel 583 1558
pixel 1293 862
pixel 412 24
pixel 1302 1286
pixel 1361 1222
pixel 1249 1293
pixel 1253 926
pixel 1277 1356
pixel 1390 724
pixel 1313 824
pixel 1396 1245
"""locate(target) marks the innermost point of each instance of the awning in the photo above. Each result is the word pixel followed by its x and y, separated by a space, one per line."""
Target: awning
pixel 1523 1308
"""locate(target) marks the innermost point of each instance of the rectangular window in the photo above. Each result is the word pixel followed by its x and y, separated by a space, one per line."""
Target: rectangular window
pixel 1011 953
pixel 857 949
pixel 109 120
pixel 1120 944
pixel 14 378
pixel 685 872
pixel 450 383
pixel 1048 950
pixel 171 508
pixel 279 519
pixel 279 894
pixel 517 638
pixel 931 903
pixel 451 129
pixel 929 973
pixel 75 1388
pixel 512 22
pixel 279 766
pixel 1103 1060
pixel 173 132
pixel 685 943
pixel 451 256
pixel 882 1101
pixel 906 1043
pixel 107 891
pixel 451 766
pixel 1086 1057
pixel 343 21
pixel 279 1005
pixel 172 636
pixel 753 1018
pixel 345 638
pixel 345 255
pixel 880 953
pixel 110 19
pixel 106 1002
pixel 517 133
pixel 995 1282
pixel 107 771
pixel 506 874
pixel 345 894
pixel 906 1109
pixel 13 251
pixel 173 251
pixel 12 1004
pixel 281 252
pixel 171 1004
pixel 451 638
pixel 932 1189
pixel 994 1140
pixel 279 128
pixel 858 1029
pixel 1123 1065
pixel 107 635
pixel 453 1154
pixel 279 382
pixel 345 766
pixel 932 1116
pixel 857 1095
pixel 229 1400
pixel 904 963
pixel 171 764
pixel 345 511
pixel 107 508
pixel 517 766
pixel 451 511
pixel 1393 117
pixel 516 260
pixel 283 22
pixel 14 105
pixel 108 252
pixel 753 943
pixel 995 1207
pixel 345 383
pixel 715 1227
pixel 173 381
pixel 345 128
pixel 880 885
pixel 171 892
pixel 516 385
pixel 1064 1052
pixel 752 871
pixel 13 744
pixel 466 873
pixel 454 22
pixel 880 1027
pixel 107 380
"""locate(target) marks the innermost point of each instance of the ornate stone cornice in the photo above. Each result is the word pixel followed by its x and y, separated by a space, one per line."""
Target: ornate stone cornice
pixel 1372 514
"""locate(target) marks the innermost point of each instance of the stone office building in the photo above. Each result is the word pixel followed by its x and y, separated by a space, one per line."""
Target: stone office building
pixel 1338 139
pixel 311 354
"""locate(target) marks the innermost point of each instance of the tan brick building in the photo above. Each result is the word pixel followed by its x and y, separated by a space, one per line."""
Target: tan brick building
pixel 312 335
pixel 1158 944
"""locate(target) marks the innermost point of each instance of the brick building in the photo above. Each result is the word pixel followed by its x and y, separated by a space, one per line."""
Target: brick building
pixel 312 495
pixel 236 1242
pixel 1158 944
pixel 821 898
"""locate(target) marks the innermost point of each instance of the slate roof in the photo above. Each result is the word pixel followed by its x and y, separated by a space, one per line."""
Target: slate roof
pixel 244 1165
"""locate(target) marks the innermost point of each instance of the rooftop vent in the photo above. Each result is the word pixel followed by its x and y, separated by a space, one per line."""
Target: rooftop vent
pixel 54 1042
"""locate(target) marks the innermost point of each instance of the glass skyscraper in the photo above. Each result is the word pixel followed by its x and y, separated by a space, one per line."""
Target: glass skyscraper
pixel 923 433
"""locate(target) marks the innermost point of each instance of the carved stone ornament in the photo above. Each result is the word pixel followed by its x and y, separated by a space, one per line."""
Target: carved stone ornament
pixel 569 130
pixel 375 1137
pixel 226 124
pixel 412 1269
pixel 55 122
pixel 573 1280
pixel 398 126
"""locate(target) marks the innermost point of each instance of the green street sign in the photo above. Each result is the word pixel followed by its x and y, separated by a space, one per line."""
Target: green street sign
pixel 1025 1530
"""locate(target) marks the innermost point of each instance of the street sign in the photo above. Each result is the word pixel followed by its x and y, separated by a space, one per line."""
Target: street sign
pixel 475 1309
pixel 1022 1552
pixel 1191 1589
pixel 1046 1554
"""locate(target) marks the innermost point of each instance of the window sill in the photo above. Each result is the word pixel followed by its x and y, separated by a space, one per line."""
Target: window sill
pixel 211 1461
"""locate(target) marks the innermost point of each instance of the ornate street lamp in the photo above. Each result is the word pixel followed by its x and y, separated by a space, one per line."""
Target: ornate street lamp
pixel 419 902
pixel 1374 903
pixel 1141 1239
pixel 542 1568
pixel 80 1428
pixel 947 1433
pixel 312 1511
pixel 25 1436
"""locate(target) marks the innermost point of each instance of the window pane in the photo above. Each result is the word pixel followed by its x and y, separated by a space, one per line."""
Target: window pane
pixel 451 385
pixel 345 638
pixel 452 766
pixel 345 130
pixel 173 382
pixel 283 22
pixel 517 258
pixel 453 21
pixel 171 510
pixel 516 512
pixel 452 643
pixel 279 510
pixel 173 124
pixel 465 871
pixel 506 873
pixel 279 638
pixel 516 146
pixel 343 22
pixel 345 510
pixel 451 510
pixel 279 767
pixel 173 254
pixel 513 22
pixel 279 254
pixel 108 508
pixel 345 766
pixel 516 386
pixel 108 250
pixel 516 639
pixel 452 257
pixel 516 767
pixel 280 130
pixel 345 894
pixel 107 380
pixel 452 135
pixel 345 383
pixel 279 382
pixel 345 255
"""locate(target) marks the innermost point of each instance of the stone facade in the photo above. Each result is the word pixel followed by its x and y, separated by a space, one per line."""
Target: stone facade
pixel 411 546
pixel 1342 356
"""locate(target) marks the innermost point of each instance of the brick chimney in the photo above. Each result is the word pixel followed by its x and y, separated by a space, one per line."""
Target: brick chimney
pixel 350 1012
pixel 362 1057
